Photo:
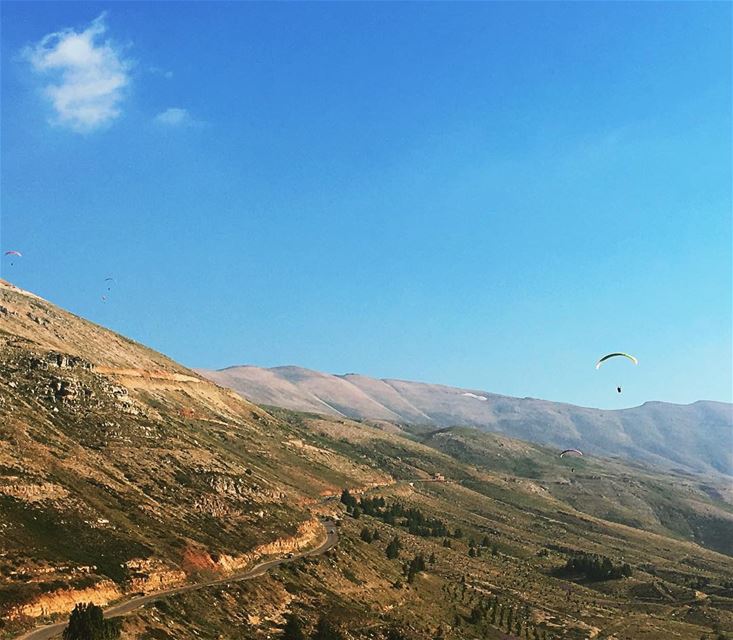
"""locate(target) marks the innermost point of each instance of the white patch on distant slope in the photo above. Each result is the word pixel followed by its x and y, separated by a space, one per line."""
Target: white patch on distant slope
pixel 473 395
pixel 89 73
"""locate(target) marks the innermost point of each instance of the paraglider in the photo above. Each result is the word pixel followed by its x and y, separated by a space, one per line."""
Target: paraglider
pixel 13 253
pixel 108 281
pixel 571 452
pixel 616 355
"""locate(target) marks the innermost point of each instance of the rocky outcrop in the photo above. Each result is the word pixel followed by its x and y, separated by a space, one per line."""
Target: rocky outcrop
pixel 34 492
pixel 151 575
pixel 64 600
pixel 308 533
pixel 145 575
pixel 60 361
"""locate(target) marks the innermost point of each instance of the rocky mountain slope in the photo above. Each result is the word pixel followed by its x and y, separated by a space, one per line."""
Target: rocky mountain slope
pixel 122 472
pixel 696 437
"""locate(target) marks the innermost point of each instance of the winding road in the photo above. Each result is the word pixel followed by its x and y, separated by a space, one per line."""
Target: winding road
pixel 123 608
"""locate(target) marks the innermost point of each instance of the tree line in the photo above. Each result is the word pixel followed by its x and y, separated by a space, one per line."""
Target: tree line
pixel 594 567
pixel 396 514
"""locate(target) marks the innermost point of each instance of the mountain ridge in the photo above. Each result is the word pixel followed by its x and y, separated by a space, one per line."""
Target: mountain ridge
pixel 696 437
pixel 205 371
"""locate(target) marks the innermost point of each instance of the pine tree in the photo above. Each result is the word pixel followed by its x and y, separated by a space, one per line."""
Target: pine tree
pixel 475 616
pixel 417 564
pixel 366 535
pixel 393 549
pixel 87 622
pixel 348 499
pixel 326 631
pixel 293 629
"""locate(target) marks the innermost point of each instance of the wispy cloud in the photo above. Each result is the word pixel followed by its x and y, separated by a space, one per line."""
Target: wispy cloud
pixel 175 117
pixel 88 75
pixel 159 71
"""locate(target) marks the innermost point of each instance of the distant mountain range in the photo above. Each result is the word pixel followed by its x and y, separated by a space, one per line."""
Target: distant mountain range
pixel 697 437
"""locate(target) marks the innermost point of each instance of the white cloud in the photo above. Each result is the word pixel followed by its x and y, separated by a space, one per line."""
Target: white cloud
pixel 89 75
pixel 175 117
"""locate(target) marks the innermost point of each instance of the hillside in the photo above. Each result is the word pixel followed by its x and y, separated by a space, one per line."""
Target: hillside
pixel 694 438
pixel 122 472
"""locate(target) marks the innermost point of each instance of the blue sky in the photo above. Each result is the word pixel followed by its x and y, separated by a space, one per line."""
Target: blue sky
pixel 485 195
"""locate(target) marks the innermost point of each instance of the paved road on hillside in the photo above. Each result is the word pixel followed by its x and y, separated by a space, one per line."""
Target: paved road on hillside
pixel 123 608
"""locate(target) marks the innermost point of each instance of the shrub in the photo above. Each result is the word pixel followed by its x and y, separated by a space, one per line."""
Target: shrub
pixel 293 629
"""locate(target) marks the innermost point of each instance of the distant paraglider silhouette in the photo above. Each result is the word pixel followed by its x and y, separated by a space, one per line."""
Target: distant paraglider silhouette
pixel 13 253
pixel 571 452
pixel 574 453
pixel 108 282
